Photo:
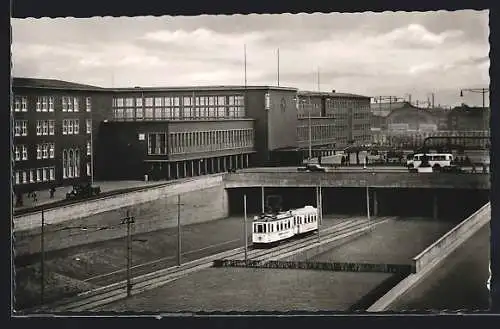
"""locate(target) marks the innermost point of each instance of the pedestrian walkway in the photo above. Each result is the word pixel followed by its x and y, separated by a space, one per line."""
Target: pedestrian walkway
pixel 43 197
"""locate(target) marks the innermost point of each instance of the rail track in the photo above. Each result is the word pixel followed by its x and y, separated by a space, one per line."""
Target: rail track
pixel 91 299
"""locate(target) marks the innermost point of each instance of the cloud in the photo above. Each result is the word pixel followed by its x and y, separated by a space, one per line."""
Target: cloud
pixel 388 54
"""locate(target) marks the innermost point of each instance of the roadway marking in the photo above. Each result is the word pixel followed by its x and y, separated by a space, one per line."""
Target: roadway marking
pixel 160 259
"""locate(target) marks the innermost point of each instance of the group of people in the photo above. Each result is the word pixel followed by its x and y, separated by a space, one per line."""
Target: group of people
pixel 33 196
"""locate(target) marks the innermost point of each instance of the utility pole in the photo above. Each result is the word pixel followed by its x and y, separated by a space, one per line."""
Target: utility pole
pixel 319 89
pixel 245 61
pixel 42 260
pixel 129 220
pixel 367 202
pixel 278 54
pixel 318 207
pixel 245 234
pixel 179 246
pixel 310 132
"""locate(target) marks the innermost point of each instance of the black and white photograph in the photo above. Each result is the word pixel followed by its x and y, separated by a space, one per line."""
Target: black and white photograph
pixel 248 163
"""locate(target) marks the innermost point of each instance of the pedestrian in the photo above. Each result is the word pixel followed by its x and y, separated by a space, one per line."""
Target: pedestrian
pixel 52 192
pixel 34 197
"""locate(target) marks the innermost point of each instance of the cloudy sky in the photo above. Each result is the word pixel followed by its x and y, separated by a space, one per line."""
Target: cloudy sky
pixel 374 54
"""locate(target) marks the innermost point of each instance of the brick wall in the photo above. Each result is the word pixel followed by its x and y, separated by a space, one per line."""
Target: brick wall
pixel 197 206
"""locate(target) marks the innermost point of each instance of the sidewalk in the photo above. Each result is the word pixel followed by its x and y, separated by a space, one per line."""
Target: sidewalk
pixel 43 197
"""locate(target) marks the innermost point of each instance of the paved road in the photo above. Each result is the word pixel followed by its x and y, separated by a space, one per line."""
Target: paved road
pixel 459 283
pixel 227 289
pixel 380 169
pixel 104 262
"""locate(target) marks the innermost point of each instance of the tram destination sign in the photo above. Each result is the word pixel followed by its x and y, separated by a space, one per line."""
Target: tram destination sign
pixel 321 266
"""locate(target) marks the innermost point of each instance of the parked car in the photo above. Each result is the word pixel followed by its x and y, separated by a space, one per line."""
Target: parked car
pixel 312 167
pixel 82 191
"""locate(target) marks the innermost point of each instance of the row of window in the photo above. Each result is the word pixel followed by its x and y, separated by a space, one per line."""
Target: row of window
pixel 177 113
pixel 20 152
pixel 319 132
pixel 213 140
pixel 46 104
pixel 43 151
pixel 47 127
pixel 284 225
pixel 177 101
pixel 46 174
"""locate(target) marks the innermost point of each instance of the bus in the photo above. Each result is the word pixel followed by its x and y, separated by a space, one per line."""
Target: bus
pixel 436 160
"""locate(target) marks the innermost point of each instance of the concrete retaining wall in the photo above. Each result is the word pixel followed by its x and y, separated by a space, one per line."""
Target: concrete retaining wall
pixel 430 258
pixel 196 206
pixel 94 207
pixel 458 234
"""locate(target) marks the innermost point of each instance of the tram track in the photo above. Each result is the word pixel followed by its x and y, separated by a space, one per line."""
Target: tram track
pixel 106 294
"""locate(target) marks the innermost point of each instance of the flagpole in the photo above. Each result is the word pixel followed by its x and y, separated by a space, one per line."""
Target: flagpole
pixel 278 67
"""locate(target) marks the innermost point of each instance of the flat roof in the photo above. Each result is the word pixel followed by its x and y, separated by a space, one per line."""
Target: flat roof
pixel 329 94
pixel 53 84
pixel 200 88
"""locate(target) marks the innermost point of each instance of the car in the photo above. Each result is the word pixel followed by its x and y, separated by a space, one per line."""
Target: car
pixel 82 191
pixel 312 167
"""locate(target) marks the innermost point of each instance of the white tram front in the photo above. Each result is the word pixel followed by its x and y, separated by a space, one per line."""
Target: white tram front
pixel 273 228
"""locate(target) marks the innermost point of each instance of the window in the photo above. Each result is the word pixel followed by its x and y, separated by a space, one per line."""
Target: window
pixel 76 104
pixel 89 148
pixel 39 128
pixel 17 153
pixel 17 128
pixel 38 104
pixel 88 169
pixel 52 148
pixel 45 174
pixel 70 104
pixel 65 163
pixel 70 127
pixel 51 127
pixel 149 113
pixel 39 151
pixel 71 163
pixel 45 151
pixel 24 128
pixel 32 176
pixel 39 175
pixel 24 155
pixel 52 174
pixel 17 176
pixel 45 106
pixel 88 104
pixel 51 104
pixel 77 163
pixel 64 101
pixel 88 123
pixel 129 102
pixel 24 104
pixel 65 127
pixel 45 126
pixel 76 129
pixel 17 104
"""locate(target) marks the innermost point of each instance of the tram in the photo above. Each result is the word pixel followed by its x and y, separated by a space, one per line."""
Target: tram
pixel 270 229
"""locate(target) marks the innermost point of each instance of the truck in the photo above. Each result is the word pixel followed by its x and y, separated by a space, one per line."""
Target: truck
pixel 82 191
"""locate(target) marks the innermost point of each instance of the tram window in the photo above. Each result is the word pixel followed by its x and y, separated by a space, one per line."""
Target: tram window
pixel 259 228
pixel 264 228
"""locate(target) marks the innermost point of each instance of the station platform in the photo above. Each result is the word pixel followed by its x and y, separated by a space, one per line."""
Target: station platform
pixel 459 283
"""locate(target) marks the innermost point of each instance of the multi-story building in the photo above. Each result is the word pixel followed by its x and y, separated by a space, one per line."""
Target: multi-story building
pixel 66 133
pixel 52 130
pixel 180 132
pixel 337 120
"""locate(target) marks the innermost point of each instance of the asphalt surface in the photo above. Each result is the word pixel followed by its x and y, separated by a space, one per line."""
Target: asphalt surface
pixel 353 168
pixel 459 283
pixel 239 289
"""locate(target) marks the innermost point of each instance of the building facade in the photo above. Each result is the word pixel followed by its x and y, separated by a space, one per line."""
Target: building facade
pixel 52 133
pixel 337 120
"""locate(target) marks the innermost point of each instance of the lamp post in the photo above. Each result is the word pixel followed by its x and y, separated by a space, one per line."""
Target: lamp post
pixel 483 92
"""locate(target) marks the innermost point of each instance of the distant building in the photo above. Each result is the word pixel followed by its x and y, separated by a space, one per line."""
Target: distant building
pixel 337 119
pixel 465 118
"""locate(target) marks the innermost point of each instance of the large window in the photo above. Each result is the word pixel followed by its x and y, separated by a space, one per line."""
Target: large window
pixel 157 143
